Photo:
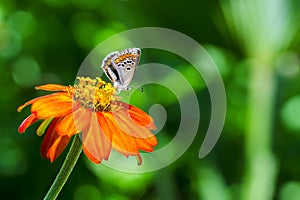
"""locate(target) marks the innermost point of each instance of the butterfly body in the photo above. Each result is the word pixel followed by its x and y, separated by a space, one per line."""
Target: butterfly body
pixel 120 66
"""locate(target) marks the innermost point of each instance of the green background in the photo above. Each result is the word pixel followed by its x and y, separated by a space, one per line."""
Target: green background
pixel 255 44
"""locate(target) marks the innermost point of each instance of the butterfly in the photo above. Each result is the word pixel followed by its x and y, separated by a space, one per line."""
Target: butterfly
pixel 120 66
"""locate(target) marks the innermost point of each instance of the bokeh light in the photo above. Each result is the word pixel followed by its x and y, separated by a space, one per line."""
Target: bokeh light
pixel 26 71
pixel 290 113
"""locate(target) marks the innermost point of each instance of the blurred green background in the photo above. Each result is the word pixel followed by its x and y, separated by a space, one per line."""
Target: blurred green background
pixel 256 47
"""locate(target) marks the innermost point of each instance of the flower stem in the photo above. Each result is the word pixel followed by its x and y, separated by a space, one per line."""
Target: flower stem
pixel 66 169
pixel 261 164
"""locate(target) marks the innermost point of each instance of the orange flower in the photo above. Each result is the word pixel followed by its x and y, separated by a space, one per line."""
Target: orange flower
pixel 91 109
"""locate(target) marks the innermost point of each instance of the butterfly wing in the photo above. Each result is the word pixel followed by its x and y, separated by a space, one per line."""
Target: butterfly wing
pixel 108 67
pixel 120 67
pixel 125 63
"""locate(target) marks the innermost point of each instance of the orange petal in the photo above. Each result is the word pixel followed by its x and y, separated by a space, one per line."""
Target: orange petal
pixel 27 122
pixel 140 117
pixel 121 141
pixel 96 145
pixel 53 144
pixel 82 119
pixel 129 126
pixel 104 126
pixel 20 108
pixel 53 106
pixel 53 87
pixel 147 144
pixel 90 156
pixel 67 125
pixel 145 139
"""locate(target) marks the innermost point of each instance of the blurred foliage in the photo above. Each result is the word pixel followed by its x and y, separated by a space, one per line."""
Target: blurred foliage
pixel 46 42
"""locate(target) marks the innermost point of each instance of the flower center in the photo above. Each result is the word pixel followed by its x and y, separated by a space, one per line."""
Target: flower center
pixel 94 94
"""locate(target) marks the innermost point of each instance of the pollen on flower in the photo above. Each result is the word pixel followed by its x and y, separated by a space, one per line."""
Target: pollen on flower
pixel 94 94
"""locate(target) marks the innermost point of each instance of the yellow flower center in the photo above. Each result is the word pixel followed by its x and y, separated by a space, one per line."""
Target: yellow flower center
pixel 94 94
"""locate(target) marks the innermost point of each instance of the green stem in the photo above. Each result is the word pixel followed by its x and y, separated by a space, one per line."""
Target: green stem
pixel 66 169
pixel 261 166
